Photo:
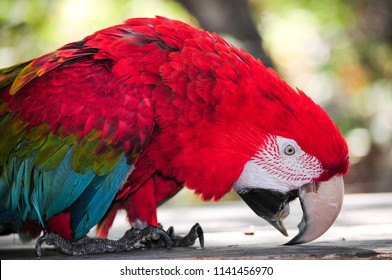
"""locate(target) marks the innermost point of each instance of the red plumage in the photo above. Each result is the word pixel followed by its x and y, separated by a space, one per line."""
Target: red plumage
pixel 186 107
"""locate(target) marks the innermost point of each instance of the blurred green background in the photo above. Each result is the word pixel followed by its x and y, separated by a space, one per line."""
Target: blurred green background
pixel 339 52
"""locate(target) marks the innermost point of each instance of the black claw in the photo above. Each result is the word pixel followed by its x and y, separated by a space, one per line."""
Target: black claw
pixel 170 231
pixel 200 234
pixel 38 245
pixel 196 232
pixel 165 237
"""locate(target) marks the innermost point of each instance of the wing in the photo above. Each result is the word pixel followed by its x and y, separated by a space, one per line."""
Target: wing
pixel 70 131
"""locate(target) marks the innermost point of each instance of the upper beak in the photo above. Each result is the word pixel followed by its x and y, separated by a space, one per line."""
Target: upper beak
pixel 320 202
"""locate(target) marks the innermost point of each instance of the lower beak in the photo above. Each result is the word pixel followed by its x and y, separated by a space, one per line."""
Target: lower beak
pixel 272 206
pixel 320 202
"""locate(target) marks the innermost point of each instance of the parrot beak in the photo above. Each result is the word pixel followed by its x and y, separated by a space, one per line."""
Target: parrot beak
pixel 320 202
pixel 272 206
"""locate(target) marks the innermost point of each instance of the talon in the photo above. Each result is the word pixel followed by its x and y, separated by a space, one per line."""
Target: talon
pixel 200 234
pixel 165 238
pixel 38 245
pixel 188 240
pixel 170 231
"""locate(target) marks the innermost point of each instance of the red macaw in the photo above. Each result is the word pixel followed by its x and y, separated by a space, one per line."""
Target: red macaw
pixel 129 115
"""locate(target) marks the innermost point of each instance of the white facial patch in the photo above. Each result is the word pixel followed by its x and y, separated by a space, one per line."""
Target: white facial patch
pixel 280 164
pixel 255 177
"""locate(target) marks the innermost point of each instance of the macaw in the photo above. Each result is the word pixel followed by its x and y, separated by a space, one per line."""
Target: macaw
pixel 131 114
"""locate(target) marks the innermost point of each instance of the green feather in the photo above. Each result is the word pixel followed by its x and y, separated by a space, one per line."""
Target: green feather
pixel 10 135
pixel 83 156
pixel 53 152
pixel 33 141
pixel 106 158
pixel 8 75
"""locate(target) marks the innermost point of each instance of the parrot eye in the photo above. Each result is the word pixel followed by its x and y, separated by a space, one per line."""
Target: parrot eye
pixel 289 150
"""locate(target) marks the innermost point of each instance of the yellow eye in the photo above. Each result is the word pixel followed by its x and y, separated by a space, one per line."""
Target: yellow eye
pixel 289 150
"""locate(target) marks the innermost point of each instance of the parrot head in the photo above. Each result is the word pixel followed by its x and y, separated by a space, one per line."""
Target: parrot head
pixel 283 171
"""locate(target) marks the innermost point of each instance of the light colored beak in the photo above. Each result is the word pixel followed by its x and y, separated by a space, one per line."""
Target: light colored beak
pixel 321 204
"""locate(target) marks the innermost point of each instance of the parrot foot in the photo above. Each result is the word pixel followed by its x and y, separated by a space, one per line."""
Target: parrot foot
pixel 189 239
pixel 132 239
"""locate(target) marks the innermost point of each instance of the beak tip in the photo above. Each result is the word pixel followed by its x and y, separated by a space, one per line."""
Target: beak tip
pixel 280 227
pixel 294 241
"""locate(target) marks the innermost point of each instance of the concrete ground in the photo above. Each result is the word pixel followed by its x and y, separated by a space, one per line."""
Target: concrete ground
pixel 363 230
